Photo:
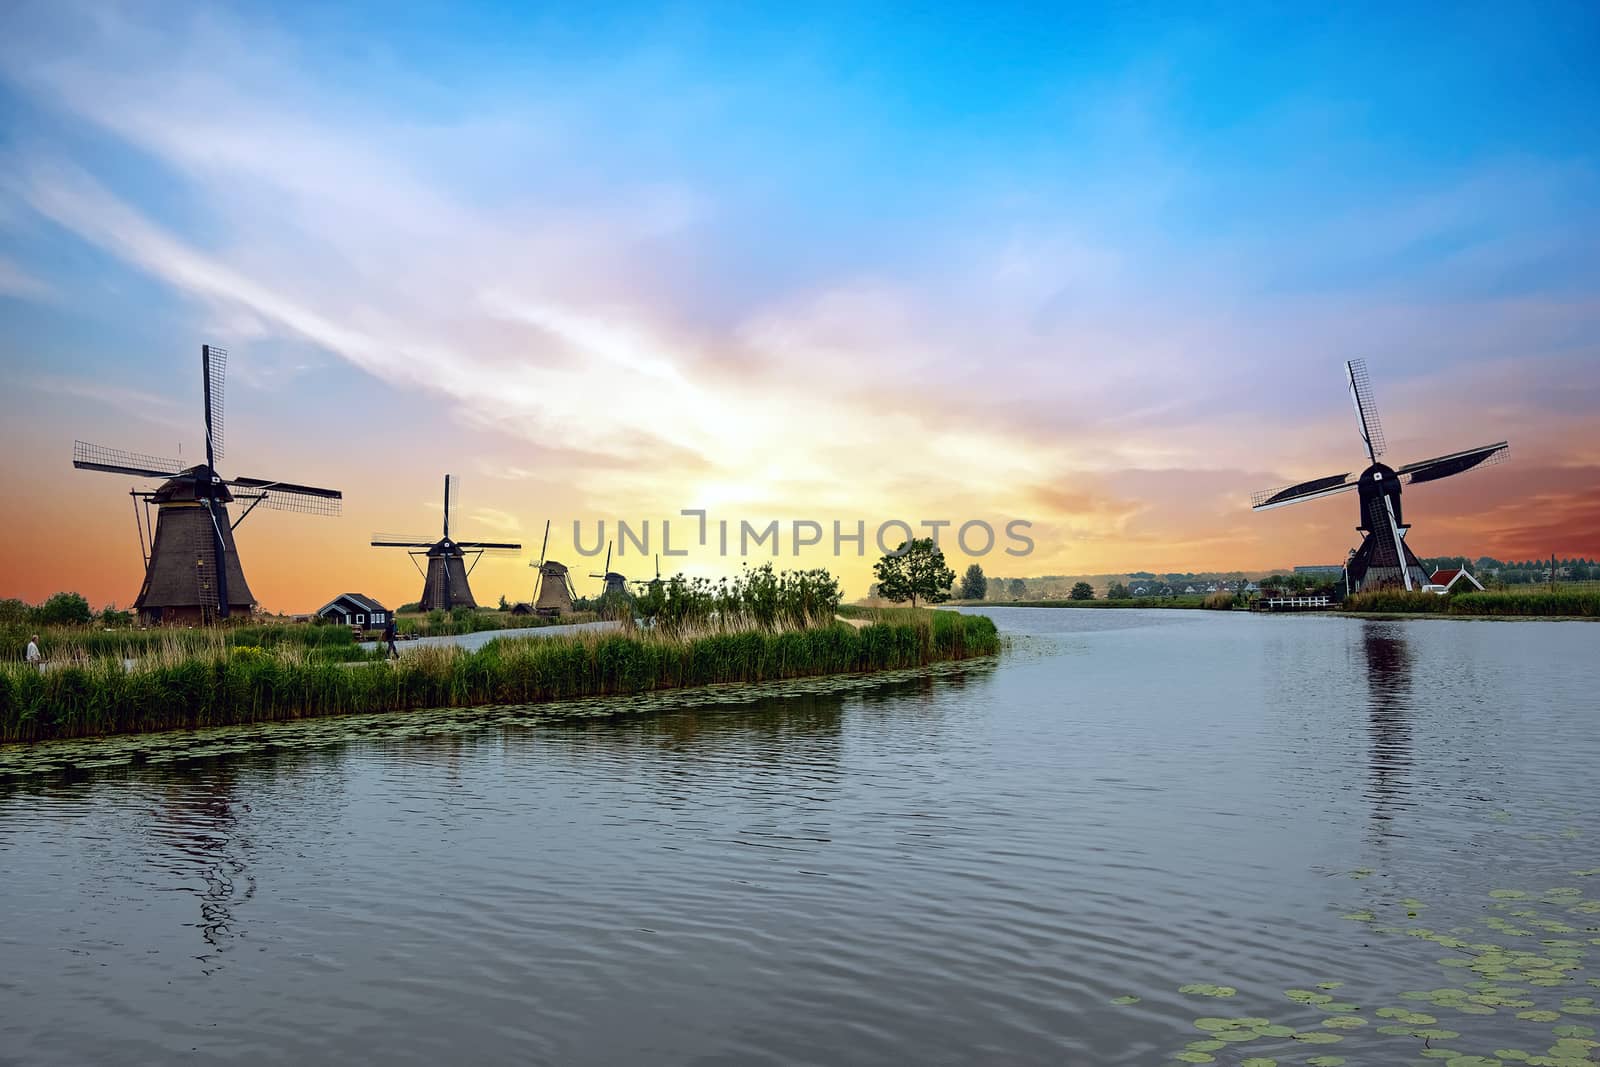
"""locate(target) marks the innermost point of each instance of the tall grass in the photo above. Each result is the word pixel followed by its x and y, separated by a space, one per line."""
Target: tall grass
pixel 1561 602
pixel 178 688
pixel 78 643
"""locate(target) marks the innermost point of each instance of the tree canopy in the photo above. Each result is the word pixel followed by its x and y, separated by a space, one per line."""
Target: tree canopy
pixel 974 586
pixel 1081 591
pixel 915 572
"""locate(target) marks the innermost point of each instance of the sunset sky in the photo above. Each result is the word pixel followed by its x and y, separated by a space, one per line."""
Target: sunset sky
pixel 1088 268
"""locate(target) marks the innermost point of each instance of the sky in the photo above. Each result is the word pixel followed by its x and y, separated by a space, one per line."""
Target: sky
pixel 1096 269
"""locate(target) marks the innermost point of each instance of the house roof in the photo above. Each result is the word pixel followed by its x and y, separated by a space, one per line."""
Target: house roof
pixel 361 601
pixel 1445 577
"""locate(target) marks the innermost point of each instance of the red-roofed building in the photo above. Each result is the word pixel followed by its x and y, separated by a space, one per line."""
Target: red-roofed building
pixel 1443 581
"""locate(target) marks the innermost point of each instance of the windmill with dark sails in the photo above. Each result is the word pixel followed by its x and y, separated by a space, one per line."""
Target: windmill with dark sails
pixel 1384 558
pixel 611 581
pixel 444 583
pixel 192 573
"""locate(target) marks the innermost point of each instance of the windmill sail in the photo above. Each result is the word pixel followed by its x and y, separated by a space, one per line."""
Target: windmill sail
pixel 1366 410
pixel 286 496
pixel 214 372
pixel 1293 494
pixel 115 461
pixel 1431 470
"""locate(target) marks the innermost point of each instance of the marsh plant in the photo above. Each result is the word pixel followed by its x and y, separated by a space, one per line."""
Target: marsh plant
pixel 1580 603
pixel 185 685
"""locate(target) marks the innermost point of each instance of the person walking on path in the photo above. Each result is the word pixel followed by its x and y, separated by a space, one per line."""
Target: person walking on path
pixel 34 655
pixel 389 636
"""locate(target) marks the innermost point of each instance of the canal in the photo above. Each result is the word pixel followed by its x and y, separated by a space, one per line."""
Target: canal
pixel 1140 837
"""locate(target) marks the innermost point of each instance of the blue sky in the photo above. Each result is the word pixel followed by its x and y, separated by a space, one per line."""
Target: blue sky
pixel 1100 264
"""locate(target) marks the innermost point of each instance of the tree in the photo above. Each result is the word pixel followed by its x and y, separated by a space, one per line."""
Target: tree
pixel 111 618
pixel 14 612
pixel 1018 589
pixel 916 572
pixel 1118 591
pixel 974 586
pixel 64 609
pixel 1081 591
pixel 503 605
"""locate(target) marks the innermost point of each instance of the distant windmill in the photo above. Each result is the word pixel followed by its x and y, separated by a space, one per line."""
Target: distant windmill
pixel 651 583
pixel 611 581
pixel 192 573
pixel 444 584
pixel 554 594
pixel 1384 557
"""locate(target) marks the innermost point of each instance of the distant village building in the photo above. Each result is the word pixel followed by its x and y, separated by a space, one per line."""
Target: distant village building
pixel 1445 581
pixel 354 609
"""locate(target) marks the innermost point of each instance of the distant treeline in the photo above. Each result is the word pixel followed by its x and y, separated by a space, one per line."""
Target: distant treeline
pixel 247 684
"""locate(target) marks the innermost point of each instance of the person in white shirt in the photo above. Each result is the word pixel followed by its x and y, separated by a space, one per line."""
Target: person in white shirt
pixel 33 650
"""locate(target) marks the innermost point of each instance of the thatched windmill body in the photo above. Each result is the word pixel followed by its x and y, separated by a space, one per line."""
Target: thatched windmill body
pixel 1384 558
pixel 444 583
pixel 554 595
pixel 192 573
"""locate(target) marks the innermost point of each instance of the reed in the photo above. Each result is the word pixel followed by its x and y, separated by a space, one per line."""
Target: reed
pixel 1574 603
pixel 183 686
pixel 79 643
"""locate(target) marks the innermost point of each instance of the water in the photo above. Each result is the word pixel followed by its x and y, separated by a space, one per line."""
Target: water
pixel 955 866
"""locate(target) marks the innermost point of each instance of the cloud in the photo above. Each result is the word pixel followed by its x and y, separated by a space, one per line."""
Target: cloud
pixel 590 295
pixel 16 282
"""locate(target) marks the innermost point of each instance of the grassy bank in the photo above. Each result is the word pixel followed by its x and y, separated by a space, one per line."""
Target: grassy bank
pixel 231 685
pixel 1577 603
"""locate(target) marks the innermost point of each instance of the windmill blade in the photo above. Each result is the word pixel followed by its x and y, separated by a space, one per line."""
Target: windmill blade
pixel 452 499
pixel 494 548
pixel 287 496
pixel 1294 494
pixel 1431 470
pixel 546 543
pixel 213 371
pixel 115 461
pixel 1366 410
pixel 300 503
pixel 399 541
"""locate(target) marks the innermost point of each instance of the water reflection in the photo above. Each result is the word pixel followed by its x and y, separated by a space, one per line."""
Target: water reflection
pixel 200 837
pixel 1389 728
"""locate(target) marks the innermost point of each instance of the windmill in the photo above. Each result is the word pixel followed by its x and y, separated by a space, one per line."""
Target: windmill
pixel 1384 558
pixel 444 583
pixel 192 572
pixel 554 594
pixel 648 584
pixel 612 582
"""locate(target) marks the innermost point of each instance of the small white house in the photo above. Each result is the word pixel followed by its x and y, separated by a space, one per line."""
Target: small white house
pixel 1445 581
pixel 355 609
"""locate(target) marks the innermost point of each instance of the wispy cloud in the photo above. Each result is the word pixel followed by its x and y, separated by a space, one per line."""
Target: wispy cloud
pixel 617 311
pixel 16 282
